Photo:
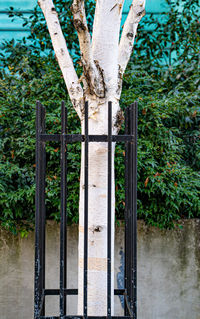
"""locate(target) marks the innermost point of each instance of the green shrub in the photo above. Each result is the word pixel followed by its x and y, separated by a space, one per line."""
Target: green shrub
pixel 168 130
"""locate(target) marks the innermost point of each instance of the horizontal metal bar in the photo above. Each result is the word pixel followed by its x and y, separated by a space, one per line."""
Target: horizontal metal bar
pixel 83 317
pixel 50 137
pixel 115 138
pixel 56 292
pixel 119 292
pixel 71 138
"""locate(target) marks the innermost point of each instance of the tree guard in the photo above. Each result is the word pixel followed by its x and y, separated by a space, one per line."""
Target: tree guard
pixel 130 213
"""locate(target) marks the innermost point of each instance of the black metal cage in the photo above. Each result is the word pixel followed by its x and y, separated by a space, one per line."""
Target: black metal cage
pixel 130 214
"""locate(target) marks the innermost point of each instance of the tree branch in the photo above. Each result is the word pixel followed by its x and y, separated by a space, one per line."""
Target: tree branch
pixel 62 54
pixel 93 75
pixel 136 12
pixel 80 24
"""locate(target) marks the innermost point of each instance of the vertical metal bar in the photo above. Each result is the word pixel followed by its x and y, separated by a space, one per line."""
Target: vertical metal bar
pixel 126 238
pixel 134 115
pixel 86 214
pixel 109 236
pixel 63 213
pixel 43 212
pixel 130 213
pixel 37 219
pixel 40 212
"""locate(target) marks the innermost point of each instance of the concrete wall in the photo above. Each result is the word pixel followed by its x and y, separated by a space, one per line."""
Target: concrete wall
pixel 168 272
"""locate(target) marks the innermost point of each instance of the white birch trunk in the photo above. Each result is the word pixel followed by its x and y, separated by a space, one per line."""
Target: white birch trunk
pixel 104 61
pixel 97 219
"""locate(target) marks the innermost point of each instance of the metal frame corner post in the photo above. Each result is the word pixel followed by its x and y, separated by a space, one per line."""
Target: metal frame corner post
pixel 126 214
pixel 85 274
pixel 63 212
pixel 40 214
pixel 130 278
pixel 109 210
pixel 133 130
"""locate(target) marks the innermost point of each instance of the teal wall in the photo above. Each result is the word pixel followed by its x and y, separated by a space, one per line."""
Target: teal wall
pixel 152 6
pixel 10 30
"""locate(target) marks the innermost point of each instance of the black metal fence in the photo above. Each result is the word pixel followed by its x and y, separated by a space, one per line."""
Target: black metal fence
pixel 130 214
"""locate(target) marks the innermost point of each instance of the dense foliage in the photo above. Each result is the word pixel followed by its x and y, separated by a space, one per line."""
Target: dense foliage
pixel 169 118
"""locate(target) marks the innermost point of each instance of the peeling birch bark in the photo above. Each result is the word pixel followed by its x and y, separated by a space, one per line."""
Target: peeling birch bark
pixel 62 54
pixel 105 39
pixel 136 12
pixel 104 60
pixel 92 73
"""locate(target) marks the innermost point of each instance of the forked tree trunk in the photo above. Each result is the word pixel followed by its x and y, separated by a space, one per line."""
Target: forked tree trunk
pixel 104 60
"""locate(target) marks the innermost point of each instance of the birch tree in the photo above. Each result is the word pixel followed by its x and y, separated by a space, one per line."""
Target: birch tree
pixel 104 57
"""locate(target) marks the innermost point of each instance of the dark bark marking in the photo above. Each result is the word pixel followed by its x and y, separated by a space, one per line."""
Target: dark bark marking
pixel 141 13
pixel 87 71
pixel 79 25
pixel 76 7
pixel 96 85
pixel 119 82
pixel 97 229
pixel 119 119
pixel 103 91
pixel 130 35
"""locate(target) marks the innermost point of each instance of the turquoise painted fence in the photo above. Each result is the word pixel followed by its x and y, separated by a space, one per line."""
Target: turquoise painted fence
pixel 10 30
